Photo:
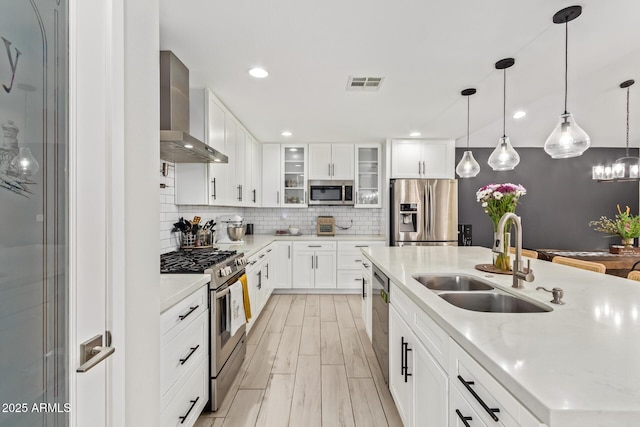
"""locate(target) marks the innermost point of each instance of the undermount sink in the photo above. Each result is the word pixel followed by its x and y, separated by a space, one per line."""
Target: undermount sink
pixel 452 283
pixel 492 302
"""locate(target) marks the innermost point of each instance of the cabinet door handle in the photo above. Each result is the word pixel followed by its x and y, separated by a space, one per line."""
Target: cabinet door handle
pixel 214 188
pixel 419 168
pixel 364 293
pixel 261 256
pixel 183 418
pixel 314 246
pixel 406 360
pixel 267 277
pixel 254 195
pixel 239 196
pixel 260 279
pixel 402 367
pixel 312 262
pixel 463 418
pixel 278 197
pixel 268 250
pixel 191 310
pixel 333 169
pixel 193 350
pixel 329 164
pixel 288 252
pixel 490 411
pixel 424 169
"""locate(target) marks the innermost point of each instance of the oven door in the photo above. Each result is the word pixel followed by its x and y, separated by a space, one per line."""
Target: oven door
pixel 222 342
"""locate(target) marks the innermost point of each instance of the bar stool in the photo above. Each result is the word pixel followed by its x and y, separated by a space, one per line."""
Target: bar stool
pixel 578 263
pixel 634 275
pixel 526 252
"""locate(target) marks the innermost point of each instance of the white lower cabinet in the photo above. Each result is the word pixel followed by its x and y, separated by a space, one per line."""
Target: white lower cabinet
pixel 281 260
pixel 416 381
pixel 367 297
pixel 259 281
pixel 314 265
pixel 184 360
pixel 435 382
pixel 350 260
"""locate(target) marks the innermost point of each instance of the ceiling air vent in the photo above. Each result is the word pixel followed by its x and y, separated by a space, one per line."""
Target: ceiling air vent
pixel 364 83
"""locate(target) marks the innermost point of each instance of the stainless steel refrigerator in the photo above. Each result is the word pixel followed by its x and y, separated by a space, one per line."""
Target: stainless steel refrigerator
pixel 424 212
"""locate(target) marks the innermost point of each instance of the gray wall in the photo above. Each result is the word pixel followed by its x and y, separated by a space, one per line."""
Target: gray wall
pixel 561 198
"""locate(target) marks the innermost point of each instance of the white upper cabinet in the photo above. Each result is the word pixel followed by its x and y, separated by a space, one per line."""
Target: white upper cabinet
pixel 432 158
pixel 331 161
pixel 368 177
pixel 271 176
pixel 219 184
pixel 294 176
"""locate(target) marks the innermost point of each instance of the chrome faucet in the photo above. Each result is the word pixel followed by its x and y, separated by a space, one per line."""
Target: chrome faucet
pixel 519 273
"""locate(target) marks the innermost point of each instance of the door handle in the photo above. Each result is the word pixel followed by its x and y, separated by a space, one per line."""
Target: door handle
pixel 92 352
pixel 214 188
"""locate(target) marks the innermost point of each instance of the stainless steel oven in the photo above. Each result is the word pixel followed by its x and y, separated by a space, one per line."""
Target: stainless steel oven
pixel 380 320
pixel 227 351
pixel 331 193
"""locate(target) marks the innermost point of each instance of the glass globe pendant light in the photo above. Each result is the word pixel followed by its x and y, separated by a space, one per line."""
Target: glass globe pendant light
pixel 468 167
pixel 504 157
pixel 567 139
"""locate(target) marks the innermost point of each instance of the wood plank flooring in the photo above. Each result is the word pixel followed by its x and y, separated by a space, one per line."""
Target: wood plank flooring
pixel 309 363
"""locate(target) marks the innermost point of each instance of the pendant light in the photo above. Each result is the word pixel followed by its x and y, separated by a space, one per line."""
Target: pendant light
pixel 567 139
pixel 504 157
pixel 626 168
pixel 468 167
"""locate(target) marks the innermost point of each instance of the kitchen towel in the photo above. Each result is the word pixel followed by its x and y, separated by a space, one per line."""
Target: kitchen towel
pixel 236 303
pixel 245 294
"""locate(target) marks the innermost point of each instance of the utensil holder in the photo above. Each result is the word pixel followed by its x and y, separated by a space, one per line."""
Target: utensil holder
pixel 202 239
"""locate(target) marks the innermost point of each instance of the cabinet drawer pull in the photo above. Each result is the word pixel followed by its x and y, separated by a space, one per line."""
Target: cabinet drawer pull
pixel 191 310
pixel 402 365
pixel 183 418
pixel 268 250
pixel 262 256
pixel 314 246
pixel 193 350
pixel 362 246
pixel 357 260
pixel 463 418
pixel 364 293
pixel 214 188
pixel 490 411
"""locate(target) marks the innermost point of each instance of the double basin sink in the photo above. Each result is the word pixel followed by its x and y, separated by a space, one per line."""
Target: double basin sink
pixel 472 293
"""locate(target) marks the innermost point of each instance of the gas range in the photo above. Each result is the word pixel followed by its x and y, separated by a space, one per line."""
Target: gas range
pixel 218 263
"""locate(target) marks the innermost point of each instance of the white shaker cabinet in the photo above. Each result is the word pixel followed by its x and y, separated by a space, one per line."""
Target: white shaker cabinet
pixel 282 261
pixel 367 306
pixel 331 161
pixel 428 158
pixel 314 265
pixel 420 387
pixel 271 176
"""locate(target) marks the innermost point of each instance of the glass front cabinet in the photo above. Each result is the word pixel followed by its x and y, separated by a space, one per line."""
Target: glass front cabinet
pixel 294 169
pixel 368 179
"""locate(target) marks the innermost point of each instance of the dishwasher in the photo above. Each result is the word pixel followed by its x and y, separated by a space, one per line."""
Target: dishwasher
pixel 380 320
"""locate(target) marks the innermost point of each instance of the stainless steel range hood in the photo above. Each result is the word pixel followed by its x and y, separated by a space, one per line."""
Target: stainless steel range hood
pixel 176 144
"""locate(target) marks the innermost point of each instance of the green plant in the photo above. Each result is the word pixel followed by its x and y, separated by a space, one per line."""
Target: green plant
pixel 624 224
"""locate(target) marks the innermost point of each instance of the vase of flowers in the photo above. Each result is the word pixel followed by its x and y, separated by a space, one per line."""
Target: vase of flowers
pixel 625 225
pixel 497 200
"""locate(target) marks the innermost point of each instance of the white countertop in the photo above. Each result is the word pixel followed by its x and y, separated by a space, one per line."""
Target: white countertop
pixel 578 365
pixel 176 287
pixel 253 243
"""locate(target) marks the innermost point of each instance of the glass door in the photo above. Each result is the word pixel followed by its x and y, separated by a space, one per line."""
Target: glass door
pixel 33 214
pixel 295 175
pixel 368 177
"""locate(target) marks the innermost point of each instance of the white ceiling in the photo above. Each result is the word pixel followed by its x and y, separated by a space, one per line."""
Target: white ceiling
pixel 427 51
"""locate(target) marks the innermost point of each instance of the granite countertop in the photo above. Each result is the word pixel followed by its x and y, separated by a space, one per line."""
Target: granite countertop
pixel 176 287
pixel 256 242
pixel 578 365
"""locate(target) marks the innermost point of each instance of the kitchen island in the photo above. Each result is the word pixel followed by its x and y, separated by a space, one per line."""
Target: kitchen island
pixel 577 365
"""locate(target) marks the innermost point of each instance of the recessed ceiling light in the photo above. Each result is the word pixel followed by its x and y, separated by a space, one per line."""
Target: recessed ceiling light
pixel 286 133
pixel 519 114
pixel 216 160
pixel 293 149
pixel 415 134
pixel 258 73
pixel 188 146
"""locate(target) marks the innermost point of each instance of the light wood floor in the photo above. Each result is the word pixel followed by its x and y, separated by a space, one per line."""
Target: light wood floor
pixel 309 363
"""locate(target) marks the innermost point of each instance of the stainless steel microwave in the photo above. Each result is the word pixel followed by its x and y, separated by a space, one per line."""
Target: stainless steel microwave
pixel 330 193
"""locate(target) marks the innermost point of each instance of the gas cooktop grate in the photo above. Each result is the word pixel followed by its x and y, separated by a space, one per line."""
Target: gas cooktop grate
pixel 194 262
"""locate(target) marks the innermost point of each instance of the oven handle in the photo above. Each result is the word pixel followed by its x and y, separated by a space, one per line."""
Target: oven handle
pixel 223 293
pixel 234 279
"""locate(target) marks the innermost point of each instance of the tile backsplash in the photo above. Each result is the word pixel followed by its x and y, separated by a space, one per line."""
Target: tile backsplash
pixel 264 220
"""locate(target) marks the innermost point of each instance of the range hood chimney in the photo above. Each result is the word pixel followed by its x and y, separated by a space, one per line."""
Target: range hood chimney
pixel 176 144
